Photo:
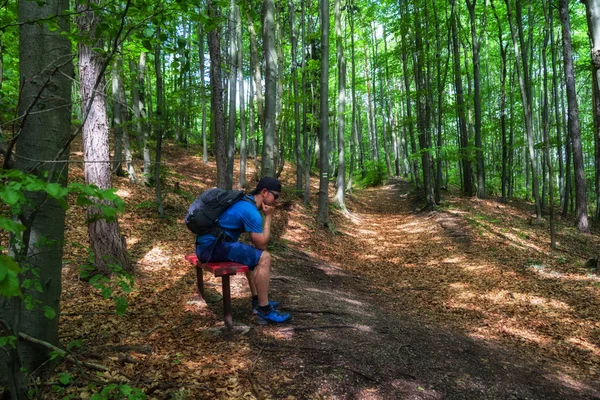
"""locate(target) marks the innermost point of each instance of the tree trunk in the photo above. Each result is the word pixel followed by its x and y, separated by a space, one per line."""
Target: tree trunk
pixel 216 96
pixel 255 67
pixel 117 120
pixel 45 70
pixel 460 109
pixel 159 124
pixel 593 19
pixel 270 58
pixel 475 44
pixel 323 210
pixel 125 118
pixel 423 112
pixel 202 91
pixel 306 104
pixel 546 124
pixel 354 146
pixel 580 184
pixel 233 55
pixel 294 72
pixel 341 117
pixel 505 179
pixel 521 64
pixel 240 71
pixel 557 115
pixel 106 242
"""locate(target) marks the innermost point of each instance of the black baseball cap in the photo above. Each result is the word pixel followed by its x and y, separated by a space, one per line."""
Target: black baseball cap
pixel 267 183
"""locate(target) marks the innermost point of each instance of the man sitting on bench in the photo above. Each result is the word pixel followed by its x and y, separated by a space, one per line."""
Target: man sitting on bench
pixel 244 216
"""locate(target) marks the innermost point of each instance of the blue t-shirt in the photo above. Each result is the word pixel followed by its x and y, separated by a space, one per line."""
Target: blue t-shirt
pixel 242 216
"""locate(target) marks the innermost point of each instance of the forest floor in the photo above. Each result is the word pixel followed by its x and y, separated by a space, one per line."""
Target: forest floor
pixel 393 302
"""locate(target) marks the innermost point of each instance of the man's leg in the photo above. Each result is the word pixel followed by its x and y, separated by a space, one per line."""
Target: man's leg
pixel 251 283
pixel 262 275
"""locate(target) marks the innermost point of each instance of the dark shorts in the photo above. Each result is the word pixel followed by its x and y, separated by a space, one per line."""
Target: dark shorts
pixel 230 251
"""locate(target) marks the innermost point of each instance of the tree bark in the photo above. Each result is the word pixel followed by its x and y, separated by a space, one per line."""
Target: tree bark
pixel 546 124
pixel 270 58
pixel 573 113
pixel 232 94
pixel 240 72
pixel 323 210
pixel 524 85
pixel 216 97
pixel 117 120
pixel 341 117
pixel 475 45
pixel 294 73
pixel 255 66
pixel 593 19
pixel 201 38
pixel 45 70
pixel 160 124
pixel 460 109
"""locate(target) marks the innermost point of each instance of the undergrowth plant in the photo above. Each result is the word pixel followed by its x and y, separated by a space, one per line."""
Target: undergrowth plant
pixel 19 280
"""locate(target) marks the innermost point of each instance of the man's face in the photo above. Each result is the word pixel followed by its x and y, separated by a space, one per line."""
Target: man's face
pixel 270 197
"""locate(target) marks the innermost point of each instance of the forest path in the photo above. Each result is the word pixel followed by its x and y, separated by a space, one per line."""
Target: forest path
pixel 391 307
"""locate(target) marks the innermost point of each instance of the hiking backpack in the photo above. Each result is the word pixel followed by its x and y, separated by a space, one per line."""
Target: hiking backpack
pixel 203 215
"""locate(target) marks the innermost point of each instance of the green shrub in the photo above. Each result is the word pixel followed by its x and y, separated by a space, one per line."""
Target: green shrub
pixel 376 174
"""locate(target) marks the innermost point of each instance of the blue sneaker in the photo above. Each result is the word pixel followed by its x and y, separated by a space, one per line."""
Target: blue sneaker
pixel 273 304
pixel 271 315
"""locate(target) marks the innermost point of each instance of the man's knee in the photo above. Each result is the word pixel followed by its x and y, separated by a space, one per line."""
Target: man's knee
pixel 265 258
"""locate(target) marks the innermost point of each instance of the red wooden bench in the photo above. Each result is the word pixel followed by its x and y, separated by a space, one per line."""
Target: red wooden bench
pixel 220 269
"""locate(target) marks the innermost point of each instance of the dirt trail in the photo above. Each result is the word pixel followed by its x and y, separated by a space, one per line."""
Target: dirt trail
pixel 366 331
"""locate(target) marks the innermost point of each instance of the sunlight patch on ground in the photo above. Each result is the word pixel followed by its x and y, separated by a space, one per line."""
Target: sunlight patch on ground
pixel 584 345
pixel 506 297
pixel 454 260
pixel 546 272
pixel 123 193
pixel 155 259
pixel 476 267
pixel 367 232
pixel 526 335
pixel 568 381
pixel 132 241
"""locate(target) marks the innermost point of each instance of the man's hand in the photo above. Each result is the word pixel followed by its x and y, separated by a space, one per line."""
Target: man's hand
pixel 268 210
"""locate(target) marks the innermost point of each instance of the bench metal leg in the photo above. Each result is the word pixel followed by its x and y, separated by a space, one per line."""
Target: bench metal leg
pixel 227 302
pixel 200 281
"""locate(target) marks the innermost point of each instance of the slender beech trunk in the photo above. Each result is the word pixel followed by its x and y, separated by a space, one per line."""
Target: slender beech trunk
pixel 354 142
pixel 125 116
pixel 341 112
pixel 557 114
pixel 593 18
pixel 201 39
pixel 255 67
pixel 305 107
pixel 294 73
pixel 117 166
pixel 214 47
pixel 270 58
pixel 475 45
pixel 502 106
pixel 546 124
pixel 160 123
pixel 323 209
pixel 422 111
pixel 522 68
pixel 460 108
pixel 578 165
pixel 232 94
pixel 240 79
